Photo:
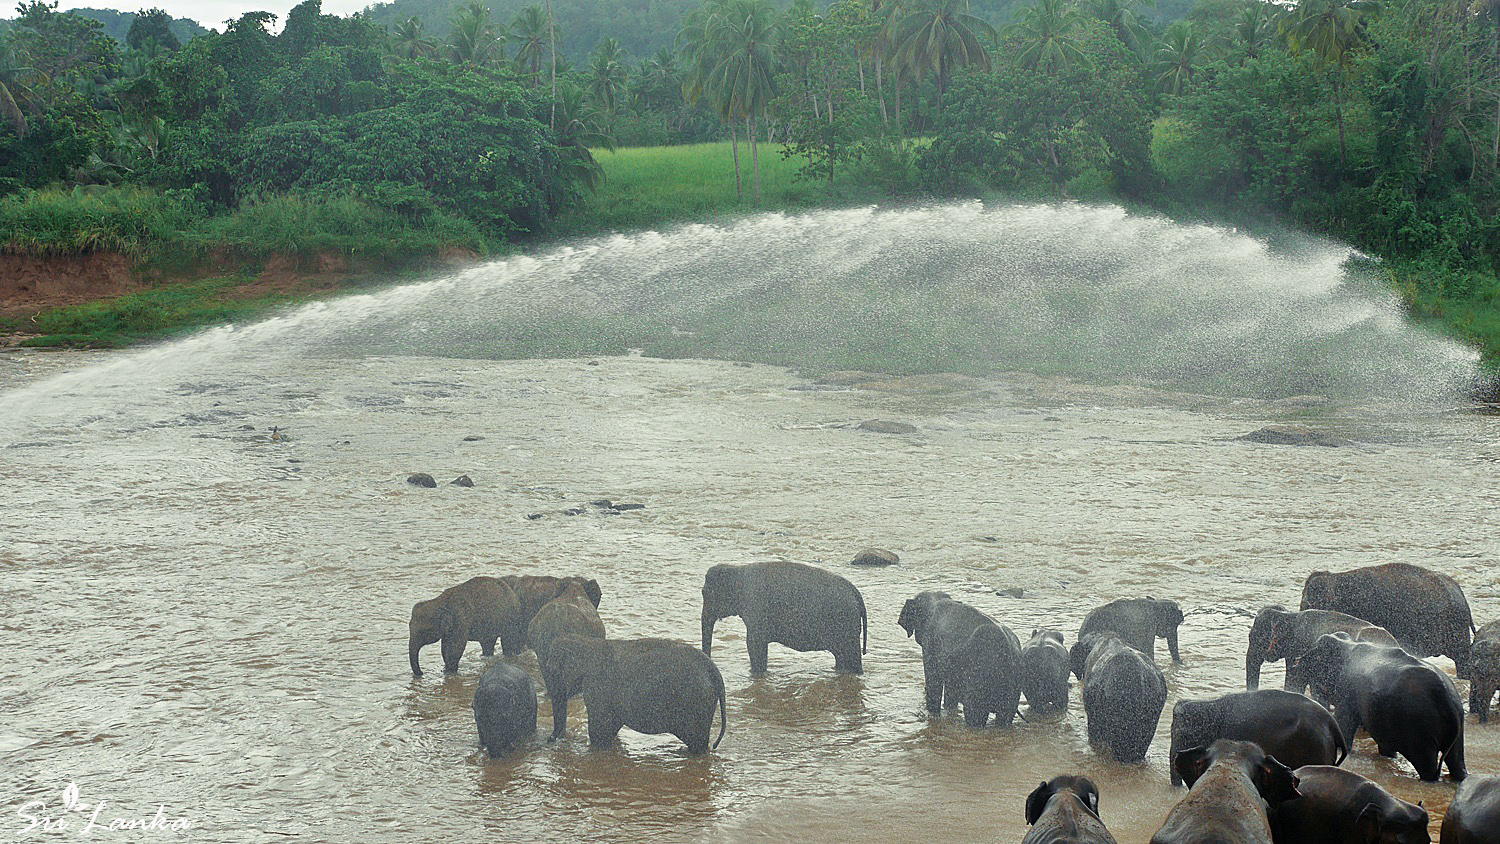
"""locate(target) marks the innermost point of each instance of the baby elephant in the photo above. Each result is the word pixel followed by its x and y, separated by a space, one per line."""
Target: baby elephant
pixel 504 707
pixel 1137 621
pixel 648 685
pixel 1484 667
pixel 968 659
pixel 481 609
pixel 1229 781
pixel 1065 811
pixel 569 614
pixel 1474 815
pixel 1341 807
pixel 1044 671
pixel 1123 694
pixel 1291 727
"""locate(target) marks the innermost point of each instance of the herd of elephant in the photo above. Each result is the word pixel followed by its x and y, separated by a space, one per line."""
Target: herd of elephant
pixel 1261 765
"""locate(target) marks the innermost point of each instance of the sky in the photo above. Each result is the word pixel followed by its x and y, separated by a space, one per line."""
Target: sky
pixel 213 13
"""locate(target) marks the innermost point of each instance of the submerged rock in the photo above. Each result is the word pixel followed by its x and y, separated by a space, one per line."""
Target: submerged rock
pixel 603 502
pixel 421 479
pixel 883 426
pixel 1293 435
pixel 473 438
pixel 875 557
pixel 1012 592
pixel 531 517
pixel 622 507
pixel 462 480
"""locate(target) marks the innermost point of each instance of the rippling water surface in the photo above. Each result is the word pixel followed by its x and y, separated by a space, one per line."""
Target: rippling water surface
pixel 205 615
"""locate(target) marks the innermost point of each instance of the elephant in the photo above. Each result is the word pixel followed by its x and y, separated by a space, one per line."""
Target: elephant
pixel 569 614
pixel 481 609
pixel 1065 811
pixel 800 606
pixel 1233 784
pixel 535 590
pixel 1279 634
pixel 1474 815
pixel 1137 621
pixel 1044 671
pixel 1484 670
pixel 1406 705
pixel 1123 694
pixel 1292 728
pixel 648 685
pixel 967 658
pixel 1425 611
pixel 1341 807
pixel 504 707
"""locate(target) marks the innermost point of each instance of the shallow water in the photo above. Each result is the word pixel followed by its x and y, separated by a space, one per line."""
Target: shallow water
pixel 212 552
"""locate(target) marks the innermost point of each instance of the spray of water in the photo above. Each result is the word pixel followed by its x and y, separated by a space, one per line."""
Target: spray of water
pixel 1089 292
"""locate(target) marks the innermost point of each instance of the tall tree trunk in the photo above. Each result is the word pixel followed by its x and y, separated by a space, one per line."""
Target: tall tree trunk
pixel 880 89
pixel 734 144
pixel 754 156
pixel 1495 152
pixel 552 34
pixel 1338 110
pixel 861 62
pixel 900 130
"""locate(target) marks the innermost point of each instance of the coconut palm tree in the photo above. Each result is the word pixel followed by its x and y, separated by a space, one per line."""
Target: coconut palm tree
pixel 1333 30
pixel 15 87
pixel 938 36
pixel 728 48
pixel 1178 56
pixel 607 75
pixel 580 130
pixel 531 30
pixel 476 41
pixel 1253 26
pixel 1123 19
pixel 409 41
pixel 1048 31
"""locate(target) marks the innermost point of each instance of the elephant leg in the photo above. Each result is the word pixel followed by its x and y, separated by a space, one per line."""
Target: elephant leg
pixel 1294 682
pixel 1426 762
pixel 950 696
pixel 848 662
pixel 1348 720
pixel 1457 770
pixel 1479 700
pixel 487 647
pixel 759 649
pixel 602 729
pixel 453 651
pixel 976 716
pixel 933 687
pixel 695 736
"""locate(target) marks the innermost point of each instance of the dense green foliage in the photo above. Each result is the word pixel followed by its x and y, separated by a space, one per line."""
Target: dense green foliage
pixel 117 25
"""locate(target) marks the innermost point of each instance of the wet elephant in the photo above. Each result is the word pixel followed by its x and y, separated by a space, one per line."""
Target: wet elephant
pixel 1065 810
pixel 1341 807
pixel 481 609
pixel 1233 785
pixel 967 658
pixel 1044 671
pixel 1293 728
pixel 1484 670
pixel 504 707
pixel 800 606
pixel 1474 815
pixel 1407 706
pixel 1279 634
pixel 1137 621
pixel 649 685
pixel 1123 694
pixel 535 590
pixel 571 613
pixel 1426 611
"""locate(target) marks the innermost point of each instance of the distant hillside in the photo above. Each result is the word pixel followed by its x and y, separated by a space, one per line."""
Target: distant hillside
pixel 117 23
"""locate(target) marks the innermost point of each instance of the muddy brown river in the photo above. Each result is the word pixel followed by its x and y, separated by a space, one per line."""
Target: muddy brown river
pixel 210 557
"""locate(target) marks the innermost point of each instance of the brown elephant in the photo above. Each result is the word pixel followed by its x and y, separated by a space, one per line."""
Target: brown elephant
pixel 1484 679
pixel 569 614
pixel 535 590
pixel 1279 634
pixel 481 609
pixel 1426 611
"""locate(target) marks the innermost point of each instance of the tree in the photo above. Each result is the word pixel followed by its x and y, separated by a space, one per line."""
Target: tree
pixel 1333 30
pixel 1122 18
pixel 476 41
pixel 1178 56
pixel 938 37
pixel 531 28
pixel 607 75
pixel 154 25
pixel 729 47
pixel 1048 31
pixel 409 41
pixel 1253 26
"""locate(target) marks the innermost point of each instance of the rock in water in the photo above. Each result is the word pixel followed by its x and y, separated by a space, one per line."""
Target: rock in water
pixel 421 479
pixel 882 426
pixel 624 507
pixel 462 480
pixel 1293 435
pixel 875 557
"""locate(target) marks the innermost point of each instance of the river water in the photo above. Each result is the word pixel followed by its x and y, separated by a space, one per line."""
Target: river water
pixel 211 553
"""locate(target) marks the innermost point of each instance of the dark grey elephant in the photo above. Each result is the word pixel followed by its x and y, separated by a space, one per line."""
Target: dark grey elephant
pixel 967 658
pixel 535 590
pixel 1293 728
pixel 1484 670
pixel 1123 694
pixel 1407 706
pixel 1044 671
pixel 1426 611
pixel 802 607
pixel 649 685
pixel 481 609
pixel 1137 621
pixel 1279 634
pixel 1474 815
pixel 504 707
pixel 1065 810
pixel 571 613
pixel 1341 807
pixel 1233 785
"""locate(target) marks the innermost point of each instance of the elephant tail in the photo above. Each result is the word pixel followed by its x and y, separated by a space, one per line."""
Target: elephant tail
pixel 723 714
pixel 1340 742
pixel 864 623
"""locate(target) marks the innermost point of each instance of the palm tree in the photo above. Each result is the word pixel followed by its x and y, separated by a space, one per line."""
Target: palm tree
pixel 1047 32
pixel 1333 30
pixel 409 42
pixel 939 36
pixel 14 87
pixel 1253 25
pixel 1122 18
pixel 579 130
pixel 728 46
pixel 531 29
pixel 607 74
pixel 1178 57
pixel 476 41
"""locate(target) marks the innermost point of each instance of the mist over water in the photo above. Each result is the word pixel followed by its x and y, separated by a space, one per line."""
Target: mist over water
pixel 211 616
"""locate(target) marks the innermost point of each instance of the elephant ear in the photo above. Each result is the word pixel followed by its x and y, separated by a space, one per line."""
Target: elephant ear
pixel 1277 783
pixel 908 619
pixel 591 589
pixel 1090 794
pixel 1192 763
pixel 1036 802
pixel 1367 825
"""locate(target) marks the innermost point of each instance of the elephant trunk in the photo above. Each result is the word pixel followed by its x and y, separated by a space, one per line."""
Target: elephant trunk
pixel 1172 645
pixel 1252 669
pixel 414 648
pixel 708 633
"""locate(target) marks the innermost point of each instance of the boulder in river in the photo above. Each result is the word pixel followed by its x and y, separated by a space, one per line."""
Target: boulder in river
pixel 462 480
pixel 875 557
pixel 473 438
pixel 1294 435
pixel 883 426
pixel 623 507
pixel 421 479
